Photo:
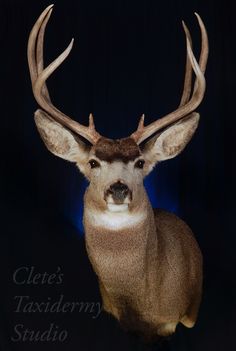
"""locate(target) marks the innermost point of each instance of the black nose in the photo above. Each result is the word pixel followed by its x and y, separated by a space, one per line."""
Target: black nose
pixel 119 187
pixel 119 191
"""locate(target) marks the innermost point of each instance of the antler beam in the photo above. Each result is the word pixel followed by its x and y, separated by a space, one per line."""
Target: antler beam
pixel 186 106
pixel 39 75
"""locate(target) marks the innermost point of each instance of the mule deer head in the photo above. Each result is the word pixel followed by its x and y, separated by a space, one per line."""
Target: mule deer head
pixel 126 239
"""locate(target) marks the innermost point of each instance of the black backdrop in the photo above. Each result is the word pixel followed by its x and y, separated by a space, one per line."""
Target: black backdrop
pixel 128 59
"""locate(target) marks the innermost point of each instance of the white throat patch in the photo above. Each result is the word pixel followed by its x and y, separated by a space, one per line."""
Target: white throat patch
pixel 115 220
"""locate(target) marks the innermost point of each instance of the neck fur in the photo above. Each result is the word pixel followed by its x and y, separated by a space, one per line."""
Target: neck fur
pixel 117 243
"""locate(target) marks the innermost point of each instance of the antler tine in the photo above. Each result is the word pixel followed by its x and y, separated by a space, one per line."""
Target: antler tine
pixel 39 75
pixel 205 45
pixel 188 71
pixel 186 107
pixel 39 51
pixel 202 60
pixel 32 45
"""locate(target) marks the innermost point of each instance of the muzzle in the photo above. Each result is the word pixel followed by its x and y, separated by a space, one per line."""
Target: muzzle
pixel 118 193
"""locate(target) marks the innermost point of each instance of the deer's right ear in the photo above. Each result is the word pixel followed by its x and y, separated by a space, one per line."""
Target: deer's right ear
pixel 60 141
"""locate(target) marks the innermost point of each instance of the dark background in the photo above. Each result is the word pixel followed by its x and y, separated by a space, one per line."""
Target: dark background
pixel 128 59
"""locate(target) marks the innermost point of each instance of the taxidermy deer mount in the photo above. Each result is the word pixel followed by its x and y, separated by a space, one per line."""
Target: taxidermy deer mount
pixel 148 263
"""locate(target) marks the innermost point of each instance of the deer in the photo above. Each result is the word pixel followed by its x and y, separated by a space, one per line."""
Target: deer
pixel 147 261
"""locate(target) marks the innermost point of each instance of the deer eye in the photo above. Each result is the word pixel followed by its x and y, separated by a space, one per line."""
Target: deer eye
pixel 139 164
pixel 94 164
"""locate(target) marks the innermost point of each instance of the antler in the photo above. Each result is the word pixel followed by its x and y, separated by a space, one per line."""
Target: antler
pixel 186 106
pixel 39 75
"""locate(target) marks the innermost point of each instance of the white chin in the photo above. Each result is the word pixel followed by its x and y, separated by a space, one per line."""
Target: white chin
pixel 117 208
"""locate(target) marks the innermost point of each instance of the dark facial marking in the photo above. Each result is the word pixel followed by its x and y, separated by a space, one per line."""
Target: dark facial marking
pixel 124 150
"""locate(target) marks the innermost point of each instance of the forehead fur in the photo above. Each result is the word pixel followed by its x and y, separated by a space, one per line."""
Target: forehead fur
pixel 120 149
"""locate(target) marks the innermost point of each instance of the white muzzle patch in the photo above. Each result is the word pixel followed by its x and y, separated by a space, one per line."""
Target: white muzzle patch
pixel 117 208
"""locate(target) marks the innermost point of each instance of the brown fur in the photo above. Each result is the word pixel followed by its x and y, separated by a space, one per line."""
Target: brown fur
pixel 110 150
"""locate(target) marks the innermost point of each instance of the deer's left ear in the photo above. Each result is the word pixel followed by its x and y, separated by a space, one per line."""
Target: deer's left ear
pixel 171 142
